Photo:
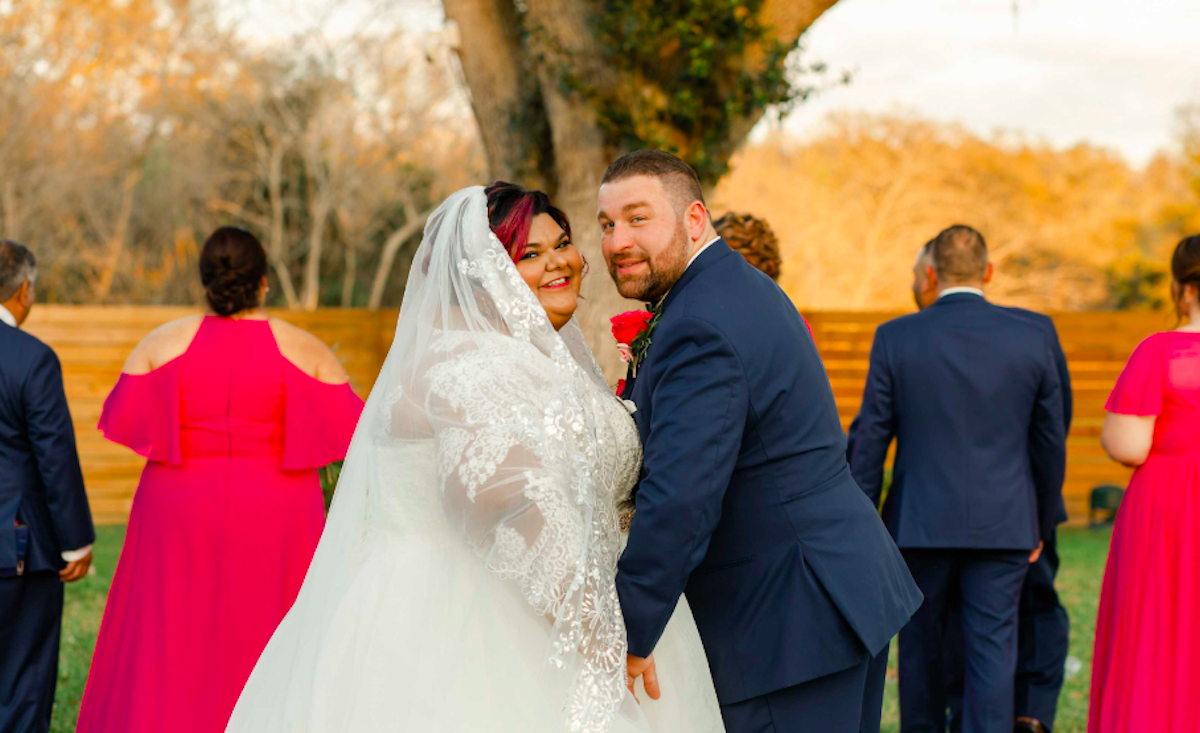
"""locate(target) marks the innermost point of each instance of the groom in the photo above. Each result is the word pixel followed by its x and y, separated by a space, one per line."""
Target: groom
pixel 745 500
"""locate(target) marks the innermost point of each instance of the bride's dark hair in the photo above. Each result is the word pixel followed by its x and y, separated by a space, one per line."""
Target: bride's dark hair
pixel 511 211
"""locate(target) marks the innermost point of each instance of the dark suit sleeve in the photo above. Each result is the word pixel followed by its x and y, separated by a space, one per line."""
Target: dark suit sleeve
pixel 1068 401
pixel 698 411
pixel 1048 446
pixel 875 425
pixel 52 436
pixel 1068 398
pixel 1064 375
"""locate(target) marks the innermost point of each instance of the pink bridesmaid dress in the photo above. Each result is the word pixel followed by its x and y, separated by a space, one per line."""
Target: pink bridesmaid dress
pixel 224 524
pixel 1147 656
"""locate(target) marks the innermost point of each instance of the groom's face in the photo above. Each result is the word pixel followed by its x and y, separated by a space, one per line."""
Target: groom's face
pixel 644 239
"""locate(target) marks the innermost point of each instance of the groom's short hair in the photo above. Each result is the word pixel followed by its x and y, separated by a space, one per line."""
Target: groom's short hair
pixel 678 179
pixel 959 255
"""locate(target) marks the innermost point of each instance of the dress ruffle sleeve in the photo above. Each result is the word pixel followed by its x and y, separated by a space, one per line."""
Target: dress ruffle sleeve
pixel 142 413
pixel 1139 389
pixel 319 422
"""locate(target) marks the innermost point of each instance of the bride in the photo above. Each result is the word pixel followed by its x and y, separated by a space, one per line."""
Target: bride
pixel 465 580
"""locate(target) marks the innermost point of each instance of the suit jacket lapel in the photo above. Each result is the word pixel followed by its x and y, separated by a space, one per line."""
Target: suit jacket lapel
pixel 718 250
pixel 711 256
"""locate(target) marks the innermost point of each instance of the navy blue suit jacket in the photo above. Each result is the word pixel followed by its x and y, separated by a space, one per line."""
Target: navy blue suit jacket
pixel 1064 374
pixel 972 394
pixel 745 500
pixel 40 480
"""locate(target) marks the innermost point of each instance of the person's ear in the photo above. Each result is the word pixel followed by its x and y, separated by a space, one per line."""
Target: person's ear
pixel 25 294
pixel 696 218
pixel 987 276
pixel 931 277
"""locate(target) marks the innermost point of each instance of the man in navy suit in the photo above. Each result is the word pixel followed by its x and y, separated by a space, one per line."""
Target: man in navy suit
pixel 45 525
pixel 972 394
pixel 1043 626
pixel 745 501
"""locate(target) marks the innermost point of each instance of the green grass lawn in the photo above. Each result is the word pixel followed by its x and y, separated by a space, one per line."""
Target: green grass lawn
pixel 1083 556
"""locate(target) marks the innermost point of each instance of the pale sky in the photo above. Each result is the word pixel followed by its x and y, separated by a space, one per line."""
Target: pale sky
pixel 1110 72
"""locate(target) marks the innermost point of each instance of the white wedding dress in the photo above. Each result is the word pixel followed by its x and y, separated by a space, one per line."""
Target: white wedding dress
pixel 465 580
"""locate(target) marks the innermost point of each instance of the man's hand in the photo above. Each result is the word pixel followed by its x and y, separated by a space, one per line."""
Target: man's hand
pixel 1036 554
pixel 77 570
pixel 639 667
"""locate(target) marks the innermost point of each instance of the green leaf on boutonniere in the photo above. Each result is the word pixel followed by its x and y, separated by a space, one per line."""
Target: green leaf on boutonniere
pixel 641 344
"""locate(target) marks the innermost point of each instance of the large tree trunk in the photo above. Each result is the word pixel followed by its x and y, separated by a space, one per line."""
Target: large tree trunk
pixel 502 93
pixel 497 65
pixel 580 162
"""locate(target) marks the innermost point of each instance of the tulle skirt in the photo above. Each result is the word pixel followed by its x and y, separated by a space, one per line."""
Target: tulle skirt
pixel 427 639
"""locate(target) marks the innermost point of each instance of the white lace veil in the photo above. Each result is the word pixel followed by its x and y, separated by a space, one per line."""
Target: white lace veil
pixel 519 477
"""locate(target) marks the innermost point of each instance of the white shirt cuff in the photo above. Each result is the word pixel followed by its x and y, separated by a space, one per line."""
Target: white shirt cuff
pixel 79 554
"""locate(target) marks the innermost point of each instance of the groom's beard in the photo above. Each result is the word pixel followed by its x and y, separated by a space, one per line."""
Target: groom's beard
pixel 665 270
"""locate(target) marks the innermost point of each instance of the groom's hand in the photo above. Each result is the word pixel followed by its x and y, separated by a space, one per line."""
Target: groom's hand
pixel 1037 554
pixel 639 667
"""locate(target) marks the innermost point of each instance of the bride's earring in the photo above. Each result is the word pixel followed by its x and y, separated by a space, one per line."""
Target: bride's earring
pixel 583 274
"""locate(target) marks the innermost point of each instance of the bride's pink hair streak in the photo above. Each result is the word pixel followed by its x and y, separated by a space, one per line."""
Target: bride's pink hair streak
pixel 511 211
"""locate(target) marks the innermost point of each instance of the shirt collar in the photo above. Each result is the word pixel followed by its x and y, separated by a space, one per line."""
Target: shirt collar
pixel 954 291
pixel 701 250
pixel 7 317
pixel 694 258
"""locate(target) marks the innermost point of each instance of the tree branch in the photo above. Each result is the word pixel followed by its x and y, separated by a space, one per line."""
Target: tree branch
pixel 787 21
pixel 414 223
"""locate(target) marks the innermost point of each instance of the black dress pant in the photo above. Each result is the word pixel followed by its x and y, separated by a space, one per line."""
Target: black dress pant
pixel 850 701
pixel 31 608
pixel 1043 643
pixel 985 585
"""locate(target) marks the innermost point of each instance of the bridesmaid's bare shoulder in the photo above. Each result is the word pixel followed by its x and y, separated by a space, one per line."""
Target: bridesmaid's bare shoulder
pixel 308 353
pixel 163 344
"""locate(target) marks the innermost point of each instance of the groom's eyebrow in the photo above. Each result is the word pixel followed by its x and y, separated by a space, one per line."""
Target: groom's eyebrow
pixel 635 205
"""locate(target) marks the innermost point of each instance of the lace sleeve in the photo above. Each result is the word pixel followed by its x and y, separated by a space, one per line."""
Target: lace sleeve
pixel 505 477
pixel 522 483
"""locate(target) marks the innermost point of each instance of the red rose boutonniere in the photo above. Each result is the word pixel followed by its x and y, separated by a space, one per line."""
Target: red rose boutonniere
pixel 632 332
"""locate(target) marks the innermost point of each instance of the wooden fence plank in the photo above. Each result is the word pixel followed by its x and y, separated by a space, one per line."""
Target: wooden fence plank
pixel 93 342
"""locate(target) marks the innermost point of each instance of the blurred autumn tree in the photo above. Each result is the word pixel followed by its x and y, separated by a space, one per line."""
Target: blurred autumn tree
pixel 132 129
pixel 1069 229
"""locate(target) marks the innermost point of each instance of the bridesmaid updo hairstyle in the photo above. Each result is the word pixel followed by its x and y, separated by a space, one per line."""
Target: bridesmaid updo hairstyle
pixel 232 265
pixel 1185 269
pixel 511 211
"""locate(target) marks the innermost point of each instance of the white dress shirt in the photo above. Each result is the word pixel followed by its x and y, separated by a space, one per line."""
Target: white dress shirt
pixel 689 264
pixel 954 291
pixel 6 316
pixel 701 250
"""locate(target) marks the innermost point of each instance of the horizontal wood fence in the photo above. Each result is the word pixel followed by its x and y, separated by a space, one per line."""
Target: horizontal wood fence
pixel 93 342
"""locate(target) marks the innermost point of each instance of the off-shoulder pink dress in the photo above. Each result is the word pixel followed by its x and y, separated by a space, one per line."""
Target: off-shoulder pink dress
pixel 1147 656
pixel 224 524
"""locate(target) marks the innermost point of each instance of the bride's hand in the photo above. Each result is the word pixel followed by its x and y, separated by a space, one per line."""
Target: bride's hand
pixel 639 667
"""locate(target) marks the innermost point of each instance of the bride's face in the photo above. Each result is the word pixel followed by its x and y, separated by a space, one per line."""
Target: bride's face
pixel 553 269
